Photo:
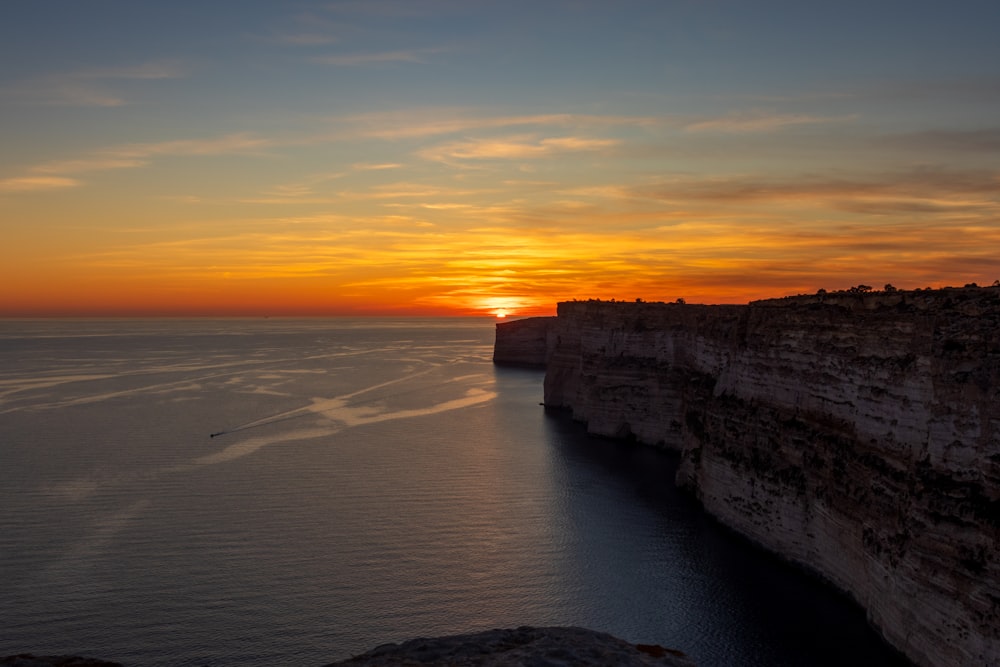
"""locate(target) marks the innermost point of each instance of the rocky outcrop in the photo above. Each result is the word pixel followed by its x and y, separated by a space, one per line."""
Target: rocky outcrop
pixel 29 660
pixel 523 342
pixel 523 647
pixel 857 434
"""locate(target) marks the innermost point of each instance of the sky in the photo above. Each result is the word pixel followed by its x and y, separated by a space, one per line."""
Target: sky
pixel 439 157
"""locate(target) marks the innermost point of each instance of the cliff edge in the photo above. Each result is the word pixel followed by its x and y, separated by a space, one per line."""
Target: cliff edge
pixel 855 433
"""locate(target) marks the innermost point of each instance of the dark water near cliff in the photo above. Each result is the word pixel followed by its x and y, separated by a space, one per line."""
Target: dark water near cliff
pixel 379 480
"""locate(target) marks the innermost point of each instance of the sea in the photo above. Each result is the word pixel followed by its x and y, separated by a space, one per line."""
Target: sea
pixel 293 492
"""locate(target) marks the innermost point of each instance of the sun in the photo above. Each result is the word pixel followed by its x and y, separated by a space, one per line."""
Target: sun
pixel 499 306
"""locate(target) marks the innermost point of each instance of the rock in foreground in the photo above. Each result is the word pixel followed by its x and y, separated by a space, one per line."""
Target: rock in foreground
pixel 29 660
pixel 537 647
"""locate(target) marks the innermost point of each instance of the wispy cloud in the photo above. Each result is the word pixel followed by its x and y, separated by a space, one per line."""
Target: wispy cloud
pixel 304 191
pixel 304 39
pixel 306 29
pixel 513 148
pixel 428 122
pixel 396 9
pixel 62 93
pixel 50 175
pixel 761 122
pixel 907 191
pixel 366 166
pixel 970 88
pixel 985 140
pixel 418 56
pixel 96 163
pixel 407 190
pixel 89 87
pixel 36 183
pixel 161 69
pixel 241 142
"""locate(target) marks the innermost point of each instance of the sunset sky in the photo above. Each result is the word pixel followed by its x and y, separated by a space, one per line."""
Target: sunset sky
pixel 462 157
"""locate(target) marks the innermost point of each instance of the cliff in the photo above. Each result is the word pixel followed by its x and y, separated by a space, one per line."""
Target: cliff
pixel 856 434
pixel 523 342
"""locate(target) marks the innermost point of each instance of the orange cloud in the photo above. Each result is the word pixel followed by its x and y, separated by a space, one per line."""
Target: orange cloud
pixel 761 122
pixel 513 148
pixel 428 122
pixel 35 183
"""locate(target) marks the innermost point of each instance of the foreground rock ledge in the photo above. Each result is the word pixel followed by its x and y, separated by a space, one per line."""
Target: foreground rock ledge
pixel 523 647
pixel 537 647
pixel 29 660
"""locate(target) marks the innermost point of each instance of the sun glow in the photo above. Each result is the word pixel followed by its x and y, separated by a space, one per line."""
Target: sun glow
pixel 500 306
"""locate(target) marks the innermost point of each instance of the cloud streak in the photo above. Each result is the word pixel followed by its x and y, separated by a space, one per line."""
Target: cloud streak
pixel 365 166
pixel 89 87
pixel 416 56
pixel 304 39
pixel 513 148
pixel 163 69
pixel 983 140
pixel 48 175
pixel 429 122
pixel 761 122
pixel 36 183
pixel 927 187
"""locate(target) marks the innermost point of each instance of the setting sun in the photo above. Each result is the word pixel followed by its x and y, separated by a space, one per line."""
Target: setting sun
pixel 503 306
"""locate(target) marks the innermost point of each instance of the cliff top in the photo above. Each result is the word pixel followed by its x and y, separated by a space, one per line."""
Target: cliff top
pixel 861 297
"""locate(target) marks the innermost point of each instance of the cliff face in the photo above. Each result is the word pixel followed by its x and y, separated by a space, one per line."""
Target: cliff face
pixel 856 434
pixel 523 342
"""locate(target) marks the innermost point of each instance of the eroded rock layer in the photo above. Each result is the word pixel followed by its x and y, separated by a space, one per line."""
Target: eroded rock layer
pixel 857 434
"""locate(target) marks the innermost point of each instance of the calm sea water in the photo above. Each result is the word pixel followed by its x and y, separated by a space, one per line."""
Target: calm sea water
pixel 372 480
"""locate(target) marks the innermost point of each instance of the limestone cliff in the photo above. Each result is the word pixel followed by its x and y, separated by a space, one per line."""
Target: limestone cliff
pixel 523 342
pixel 857 434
